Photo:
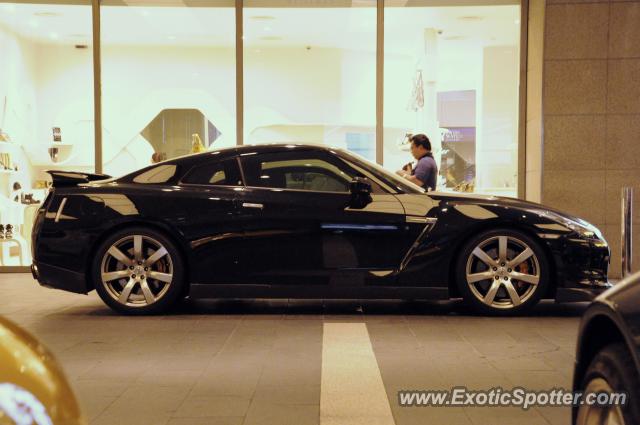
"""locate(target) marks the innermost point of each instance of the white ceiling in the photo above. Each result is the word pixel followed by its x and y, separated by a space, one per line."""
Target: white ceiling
pixel 462 27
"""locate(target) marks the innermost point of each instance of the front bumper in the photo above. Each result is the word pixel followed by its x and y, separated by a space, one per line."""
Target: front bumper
pixel 568 295
pixel 58 278
pixel 582 263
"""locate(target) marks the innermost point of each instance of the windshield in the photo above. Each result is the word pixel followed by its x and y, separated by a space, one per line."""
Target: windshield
pixel 402 185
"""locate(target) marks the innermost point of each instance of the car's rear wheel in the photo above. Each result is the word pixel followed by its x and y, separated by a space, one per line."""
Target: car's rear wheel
pixel 502 272
pixel 138 271
pixel 611 371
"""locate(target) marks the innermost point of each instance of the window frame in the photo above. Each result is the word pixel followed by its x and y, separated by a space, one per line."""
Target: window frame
pixel 344 163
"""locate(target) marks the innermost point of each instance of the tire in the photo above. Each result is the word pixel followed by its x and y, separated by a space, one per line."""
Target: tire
pixel 491 283
pixel 150 285
pixel 611 370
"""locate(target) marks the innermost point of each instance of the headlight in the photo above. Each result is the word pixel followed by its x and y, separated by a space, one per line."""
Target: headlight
pixel 582 227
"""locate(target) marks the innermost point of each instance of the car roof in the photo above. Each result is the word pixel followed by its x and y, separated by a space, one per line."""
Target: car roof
pixel 276 147
pixel 244 150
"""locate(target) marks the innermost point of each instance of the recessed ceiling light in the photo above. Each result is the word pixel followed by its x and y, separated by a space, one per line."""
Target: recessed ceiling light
pixel 33 23
pixel 46 14
pixel 171 37
pixel 54 35
pixel 262 18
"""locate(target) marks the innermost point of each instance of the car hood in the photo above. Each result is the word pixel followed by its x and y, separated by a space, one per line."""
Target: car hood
pixel 472 198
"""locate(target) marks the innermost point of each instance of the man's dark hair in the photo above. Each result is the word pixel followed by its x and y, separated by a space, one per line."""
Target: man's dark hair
pixel 421 140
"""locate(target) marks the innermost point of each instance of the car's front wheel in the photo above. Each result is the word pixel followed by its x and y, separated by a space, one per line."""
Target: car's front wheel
pixel 502 272
pixel 138 271
pixel 611 371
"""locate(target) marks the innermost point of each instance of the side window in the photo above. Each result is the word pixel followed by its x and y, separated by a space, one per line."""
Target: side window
pixel 223 172
pixel 315 171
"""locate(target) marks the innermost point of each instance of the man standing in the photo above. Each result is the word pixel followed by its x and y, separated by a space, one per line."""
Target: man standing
pixel 425 173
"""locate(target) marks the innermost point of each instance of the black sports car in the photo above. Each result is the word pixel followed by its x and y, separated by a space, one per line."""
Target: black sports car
pixel 299 221
pixel 608 355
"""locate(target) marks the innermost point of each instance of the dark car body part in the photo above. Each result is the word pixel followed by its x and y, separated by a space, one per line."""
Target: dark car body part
pixel 613 317
pixel 247 241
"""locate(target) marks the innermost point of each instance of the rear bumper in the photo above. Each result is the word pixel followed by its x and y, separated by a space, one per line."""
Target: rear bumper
pixel 59 278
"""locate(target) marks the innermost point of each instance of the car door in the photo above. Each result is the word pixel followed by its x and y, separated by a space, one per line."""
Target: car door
pixel 301 227
pixel 210 197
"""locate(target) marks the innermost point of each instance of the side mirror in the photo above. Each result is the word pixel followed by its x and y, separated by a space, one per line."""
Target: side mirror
pixel 360 189
pixel 360 186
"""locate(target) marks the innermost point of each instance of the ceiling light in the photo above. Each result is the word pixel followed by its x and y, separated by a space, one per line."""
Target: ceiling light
pixel 46 14
pixel 54 35
pixel 171 37
pixel 267 28
pixel 471 18
pixel 262 18
pixel 33 23
pixel 517 22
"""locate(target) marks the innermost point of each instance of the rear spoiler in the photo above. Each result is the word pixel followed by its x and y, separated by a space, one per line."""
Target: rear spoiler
pixel 73 178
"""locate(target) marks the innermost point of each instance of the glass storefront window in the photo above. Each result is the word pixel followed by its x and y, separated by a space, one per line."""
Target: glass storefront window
pixel 452 72
pixel 46 110
pixel 310 73
pixel 309 76
pixel 168 81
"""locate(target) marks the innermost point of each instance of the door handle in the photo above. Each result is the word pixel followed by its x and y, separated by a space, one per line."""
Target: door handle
pixel 251 205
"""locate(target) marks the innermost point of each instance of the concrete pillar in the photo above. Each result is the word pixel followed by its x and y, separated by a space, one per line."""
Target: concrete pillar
pixel 497 146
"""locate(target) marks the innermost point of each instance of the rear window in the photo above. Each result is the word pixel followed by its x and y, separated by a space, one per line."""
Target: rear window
pixel 156 175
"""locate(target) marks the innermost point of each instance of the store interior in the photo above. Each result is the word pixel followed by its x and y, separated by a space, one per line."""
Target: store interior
pixel 167 90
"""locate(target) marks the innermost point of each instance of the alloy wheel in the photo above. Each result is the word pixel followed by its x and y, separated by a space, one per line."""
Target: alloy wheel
pixel 136 271
pixel 503 272
pixel 598 414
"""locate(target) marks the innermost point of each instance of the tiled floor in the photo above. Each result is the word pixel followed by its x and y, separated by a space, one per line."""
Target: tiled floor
pixel 260 362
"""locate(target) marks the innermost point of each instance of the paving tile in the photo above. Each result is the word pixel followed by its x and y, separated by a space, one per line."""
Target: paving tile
pixel 204 406
pixel 265 413
pixel 210 420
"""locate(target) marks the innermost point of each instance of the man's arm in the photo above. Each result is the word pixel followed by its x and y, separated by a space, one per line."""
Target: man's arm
pixel 412 179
